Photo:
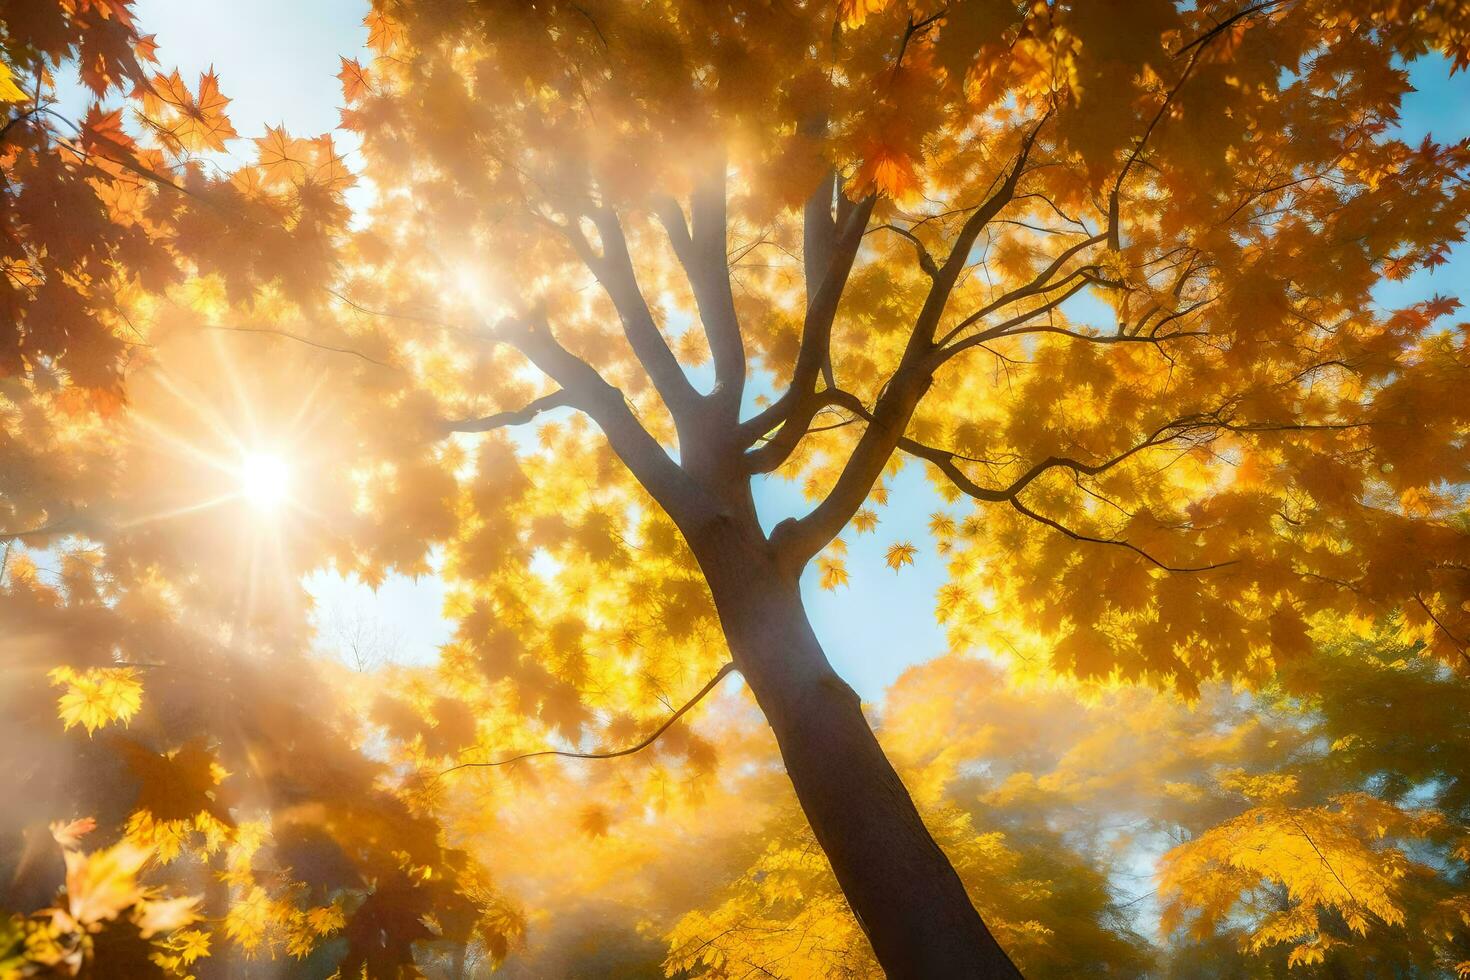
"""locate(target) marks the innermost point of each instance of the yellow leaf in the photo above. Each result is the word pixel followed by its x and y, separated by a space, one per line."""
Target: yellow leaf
pixel 854 12
pixel 833 573
pixel 97 696
pixel 594 821
pixel 9 91
pixel 326 920
pixel 190 944
pixel 102 884
pixel 865 520
pixel 249 918
pixel 166 915
pixel 900 554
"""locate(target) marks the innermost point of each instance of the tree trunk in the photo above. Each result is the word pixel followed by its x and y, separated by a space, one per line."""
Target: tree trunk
pixel 906 895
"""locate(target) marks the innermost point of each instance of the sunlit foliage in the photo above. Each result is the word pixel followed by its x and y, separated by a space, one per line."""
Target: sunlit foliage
pixel 685 246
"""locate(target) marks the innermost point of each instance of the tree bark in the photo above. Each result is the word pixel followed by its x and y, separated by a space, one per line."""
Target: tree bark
pixel 905 893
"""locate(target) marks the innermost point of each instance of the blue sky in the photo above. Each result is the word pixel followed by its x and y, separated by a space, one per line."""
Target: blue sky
pixel 277 60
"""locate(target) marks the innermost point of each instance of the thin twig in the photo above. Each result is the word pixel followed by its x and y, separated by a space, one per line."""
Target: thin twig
pixel 713 681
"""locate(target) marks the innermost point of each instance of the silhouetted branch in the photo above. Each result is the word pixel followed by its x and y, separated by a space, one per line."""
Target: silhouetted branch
pixel 519 416
pixel 288 335
pixel 645 743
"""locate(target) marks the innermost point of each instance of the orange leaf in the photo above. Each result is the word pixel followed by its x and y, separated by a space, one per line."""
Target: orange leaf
pixel 354 80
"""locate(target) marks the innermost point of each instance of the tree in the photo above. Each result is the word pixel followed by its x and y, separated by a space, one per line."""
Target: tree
pixel 1223 178
pixel 172 808
pixel 1044 892
pixel 172 756
pixel 876 213
pixel 1335 845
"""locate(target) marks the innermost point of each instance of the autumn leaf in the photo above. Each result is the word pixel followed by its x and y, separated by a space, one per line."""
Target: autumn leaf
pixel 159 915
pixel 189 120
pixel 594 821
pixel 69 835
pixel 888 171
pixel 9 91
pixel 832 572
pixel 354 80
pixel 97 696
pixel 179 784
pixel 188 945
pixel 900 554
pixel 146 48
pixel 383 32
pixel 326 920
pixel 103 884
pixel 855 12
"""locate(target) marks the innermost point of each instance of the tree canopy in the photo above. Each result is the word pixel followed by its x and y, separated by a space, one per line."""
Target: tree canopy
pixel 1106 273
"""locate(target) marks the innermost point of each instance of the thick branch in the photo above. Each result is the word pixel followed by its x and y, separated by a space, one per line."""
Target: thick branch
pixel 639 747
pixel 587 390
pixel 818 235
pixel 794 409
pixel 614 270
pixel 704 255
pixel 797 541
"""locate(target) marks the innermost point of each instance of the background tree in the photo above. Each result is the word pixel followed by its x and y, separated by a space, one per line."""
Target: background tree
pixel 1338 844
pixel 171 806
pixel 168 702
pixel 841 209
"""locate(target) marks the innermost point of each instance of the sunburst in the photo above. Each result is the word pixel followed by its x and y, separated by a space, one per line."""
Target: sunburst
pixel 265 481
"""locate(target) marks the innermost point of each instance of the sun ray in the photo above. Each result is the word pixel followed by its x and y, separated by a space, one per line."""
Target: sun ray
pixel 172 512
pixel 200 407
pixel 184 446
pixel 243 402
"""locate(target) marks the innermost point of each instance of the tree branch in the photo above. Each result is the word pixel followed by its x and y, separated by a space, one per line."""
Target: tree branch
pixel 944 354
pixel 286 334
pixel 818 235
pixel 587 390
pixel 703 252
pixel 1077 536
pixel 926 261
pixel 794 408
pixel 614 270
pixel 66 525
pixel 1195 48
pixel 796 541
pixel 639 747
pixel 1458 644
pixel 520 416
pixel 1041 283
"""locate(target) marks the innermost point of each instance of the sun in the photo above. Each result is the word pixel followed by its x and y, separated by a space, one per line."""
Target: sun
pixel 265 480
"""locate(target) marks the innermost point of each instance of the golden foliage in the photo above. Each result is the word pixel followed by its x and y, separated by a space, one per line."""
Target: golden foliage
pixel 97 696
pixel 1235 452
